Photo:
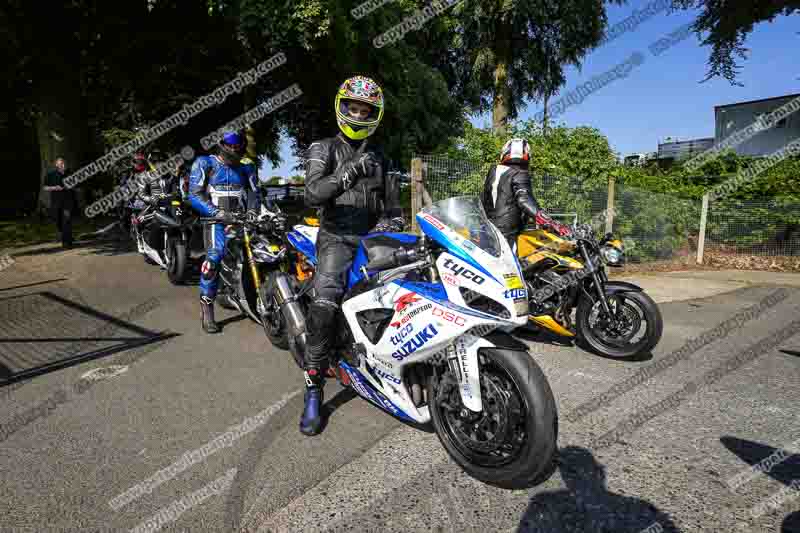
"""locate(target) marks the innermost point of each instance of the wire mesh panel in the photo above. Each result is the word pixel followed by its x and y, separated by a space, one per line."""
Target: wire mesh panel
pixel 445 178
pixel 655 227
pixel 767 227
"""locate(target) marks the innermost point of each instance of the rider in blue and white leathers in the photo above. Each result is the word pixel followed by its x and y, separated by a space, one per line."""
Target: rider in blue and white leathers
pixel 219 186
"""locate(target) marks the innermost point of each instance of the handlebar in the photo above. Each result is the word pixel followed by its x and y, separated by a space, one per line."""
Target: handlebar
pixel 237 219
pixel 403 256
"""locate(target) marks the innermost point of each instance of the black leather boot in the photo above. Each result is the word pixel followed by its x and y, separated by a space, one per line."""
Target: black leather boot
pixel 207 309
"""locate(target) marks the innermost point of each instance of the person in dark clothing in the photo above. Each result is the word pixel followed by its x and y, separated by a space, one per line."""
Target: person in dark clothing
pixel 63 201
pixel 347 181
pixel 154 187
pixel 507 196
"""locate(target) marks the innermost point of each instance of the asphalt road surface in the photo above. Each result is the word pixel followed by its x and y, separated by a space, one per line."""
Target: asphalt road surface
pixel 199 433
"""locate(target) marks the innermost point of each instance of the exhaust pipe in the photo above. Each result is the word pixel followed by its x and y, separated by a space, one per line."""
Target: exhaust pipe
pixel 292 314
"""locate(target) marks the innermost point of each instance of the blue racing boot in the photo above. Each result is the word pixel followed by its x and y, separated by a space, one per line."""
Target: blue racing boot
pixel 311 421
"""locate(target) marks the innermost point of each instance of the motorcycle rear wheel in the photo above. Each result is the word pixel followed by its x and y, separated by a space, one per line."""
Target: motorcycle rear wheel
pixel 512 443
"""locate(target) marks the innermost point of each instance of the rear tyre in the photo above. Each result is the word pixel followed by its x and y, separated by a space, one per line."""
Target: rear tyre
pixel 512 443
pixel 633 308
pixel 176 261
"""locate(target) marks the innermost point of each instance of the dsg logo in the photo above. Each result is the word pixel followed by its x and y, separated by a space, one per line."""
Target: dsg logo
pixel 458 320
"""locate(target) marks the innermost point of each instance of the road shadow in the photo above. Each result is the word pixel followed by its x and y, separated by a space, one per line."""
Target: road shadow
pixel 36 284
pixel 67 346
pixel 785 472
pixel 542 336
pixel 56 248
pixel 230 320
pixel 587 506
pixel 754 452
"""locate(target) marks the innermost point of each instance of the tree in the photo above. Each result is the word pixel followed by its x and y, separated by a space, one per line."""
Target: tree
pixel 513 50
pixel 325 45
pixel 728 24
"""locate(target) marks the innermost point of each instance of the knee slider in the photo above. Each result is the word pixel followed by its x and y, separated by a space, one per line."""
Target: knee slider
pixel 209 270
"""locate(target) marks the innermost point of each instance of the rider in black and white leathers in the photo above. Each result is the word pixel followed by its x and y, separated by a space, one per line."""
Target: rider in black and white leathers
pixel 507 197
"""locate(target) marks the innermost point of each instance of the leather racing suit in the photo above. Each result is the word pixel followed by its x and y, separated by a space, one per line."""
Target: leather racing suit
pixel 346 215
pixel 215 186
pixel 151 188
pixel 507 198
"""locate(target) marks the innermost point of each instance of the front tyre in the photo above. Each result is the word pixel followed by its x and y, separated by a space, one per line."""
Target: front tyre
pixel 273 320
pixel 636 327
pixel 510 444
pixel 176 261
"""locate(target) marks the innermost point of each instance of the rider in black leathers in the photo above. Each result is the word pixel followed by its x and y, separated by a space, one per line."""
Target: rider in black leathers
pixel 153 188
pixel 347 181
pixel 507 196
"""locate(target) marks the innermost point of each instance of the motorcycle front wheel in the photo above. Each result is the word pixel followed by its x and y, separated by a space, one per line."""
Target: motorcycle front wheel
pixel 273 321
pixel 636 327
pixel 176 261
pixel 510 444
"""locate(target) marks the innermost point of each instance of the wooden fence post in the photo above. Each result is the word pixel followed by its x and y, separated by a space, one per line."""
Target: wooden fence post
pixel 416 191
pixel 610 205
pixel 701 241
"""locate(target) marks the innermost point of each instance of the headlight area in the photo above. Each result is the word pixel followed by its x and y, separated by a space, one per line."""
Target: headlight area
pixel 612 256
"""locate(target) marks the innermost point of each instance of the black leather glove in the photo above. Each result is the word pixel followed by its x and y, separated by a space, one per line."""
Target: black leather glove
pixel 361 166
pixel 225 217
pixel 385 225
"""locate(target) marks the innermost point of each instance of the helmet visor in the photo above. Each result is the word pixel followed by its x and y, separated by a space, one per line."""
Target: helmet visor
pixel 358 112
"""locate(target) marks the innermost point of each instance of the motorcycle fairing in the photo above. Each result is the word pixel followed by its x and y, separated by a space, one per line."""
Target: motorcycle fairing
pixel 365 389
pixel 454 248
pixel 304 239
pixel 414 305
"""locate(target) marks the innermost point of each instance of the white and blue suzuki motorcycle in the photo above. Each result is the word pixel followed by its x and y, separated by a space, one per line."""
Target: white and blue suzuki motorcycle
pixel 425 336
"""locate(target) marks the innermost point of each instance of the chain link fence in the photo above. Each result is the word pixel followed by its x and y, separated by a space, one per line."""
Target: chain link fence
pixel 754 233
pixel 653 226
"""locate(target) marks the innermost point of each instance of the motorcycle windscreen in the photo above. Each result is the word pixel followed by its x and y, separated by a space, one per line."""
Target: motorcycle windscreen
pixel 465 216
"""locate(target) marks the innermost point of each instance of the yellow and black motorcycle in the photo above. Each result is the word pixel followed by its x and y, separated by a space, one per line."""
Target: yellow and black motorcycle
pixel 612 318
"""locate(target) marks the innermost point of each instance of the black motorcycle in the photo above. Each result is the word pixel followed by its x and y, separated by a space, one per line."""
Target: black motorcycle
pixel 168 234
pixel 252 252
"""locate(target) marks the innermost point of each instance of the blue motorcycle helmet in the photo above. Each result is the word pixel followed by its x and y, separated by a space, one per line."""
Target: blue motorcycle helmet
pixel 232 147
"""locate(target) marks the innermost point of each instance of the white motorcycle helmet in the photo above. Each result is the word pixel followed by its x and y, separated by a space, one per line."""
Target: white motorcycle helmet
pixel 516 152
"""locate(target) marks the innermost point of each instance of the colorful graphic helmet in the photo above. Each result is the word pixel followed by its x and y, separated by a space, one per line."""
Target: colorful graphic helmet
pixel 516 152
pixel 359 89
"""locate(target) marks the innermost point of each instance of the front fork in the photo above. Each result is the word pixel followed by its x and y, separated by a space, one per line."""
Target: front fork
pixel 462 358
pixel 599 284
pixel 253 271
